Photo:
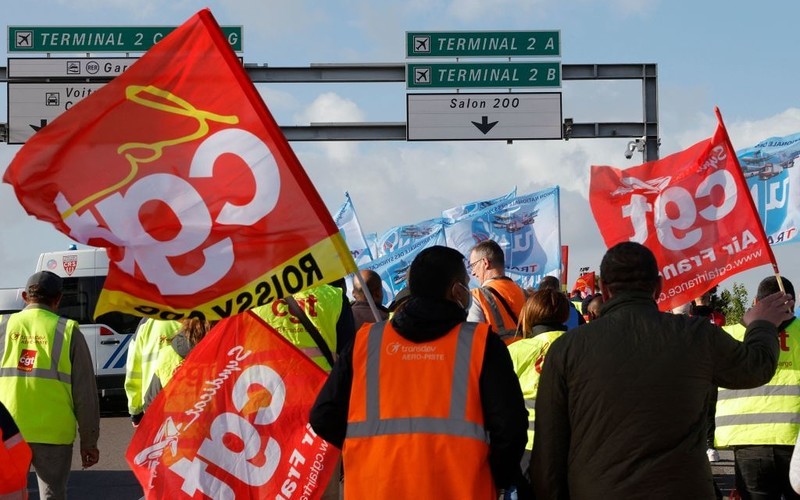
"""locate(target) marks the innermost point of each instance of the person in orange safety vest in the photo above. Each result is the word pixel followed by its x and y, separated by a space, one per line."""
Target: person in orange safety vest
pixel 499 299
pixel 426 405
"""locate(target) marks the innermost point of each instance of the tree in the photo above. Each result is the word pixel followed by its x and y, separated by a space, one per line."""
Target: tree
pixel 733 303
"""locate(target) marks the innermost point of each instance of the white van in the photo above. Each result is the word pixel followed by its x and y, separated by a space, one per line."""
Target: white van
pixel 84 272
pixel 11 300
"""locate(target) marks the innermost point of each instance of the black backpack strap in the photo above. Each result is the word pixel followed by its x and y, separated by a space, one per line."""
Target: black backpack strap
pixel 504 302
pixel 312 330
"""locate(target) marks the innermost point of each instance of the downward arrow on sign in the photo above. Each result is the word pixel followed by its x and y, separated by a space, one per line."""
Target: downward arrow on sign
pixel 484 126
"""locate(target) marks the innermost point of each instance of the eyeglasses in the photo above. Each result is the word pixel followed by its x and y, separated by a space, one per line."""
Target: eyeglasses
pixel 470 265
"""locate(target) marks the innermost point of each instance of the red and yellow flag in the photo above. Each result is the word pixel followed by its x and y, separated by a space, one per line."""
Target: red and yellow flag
pixel 692 209
pixel 233 421
pixel 178 168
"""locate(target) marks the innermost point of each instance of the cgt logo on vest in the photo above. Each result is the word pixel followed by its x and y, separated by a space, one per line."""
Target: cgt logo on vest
pixel 280 308
pixel 26 360
pixel 784 341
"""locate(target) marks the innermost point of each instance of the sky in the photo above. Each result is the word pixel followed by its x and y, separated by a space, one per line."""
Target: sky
pixel 735 55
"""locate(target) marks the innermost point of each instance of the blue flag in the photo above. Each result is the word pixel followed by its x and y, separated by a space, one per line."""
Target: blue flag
pixel 347 222
pixel 773 178
pixel 460 212
pixel 400 236
pixel 527 228
pixel 393 267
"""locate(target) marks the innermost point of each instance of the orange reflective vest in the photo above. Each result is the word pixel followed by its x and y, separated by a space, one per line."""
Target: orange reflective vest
pixel 415 424
pixel 495 312
pixel 15 459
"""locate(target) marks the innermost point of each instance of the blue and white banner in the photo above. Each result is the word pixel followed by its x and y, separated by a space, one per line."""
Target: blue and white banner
pixel 372 244
pixel 526 227
pixel 400 236
pixel 460 212
pixel 347 222
pixel 394 266
pixel 773 177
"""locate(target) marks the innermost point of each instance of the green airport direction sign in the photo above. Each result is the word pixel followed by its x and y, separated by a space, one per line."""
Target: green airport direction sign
pixel 483 44
pixel 483 75
pixel 98 38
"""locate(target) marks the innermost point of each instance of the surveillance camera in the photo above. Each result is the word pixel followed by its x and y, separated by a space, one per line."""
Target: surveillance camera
pixel 630 149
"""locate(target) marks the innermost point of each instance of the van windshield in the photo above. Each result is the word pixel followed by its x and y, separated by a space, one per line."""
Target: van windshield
pixel 78 301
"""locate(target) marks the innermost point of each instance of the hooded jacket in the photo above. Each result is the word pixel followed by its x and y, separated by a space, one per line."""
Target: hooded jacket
pixel 622 401
pixel 422 320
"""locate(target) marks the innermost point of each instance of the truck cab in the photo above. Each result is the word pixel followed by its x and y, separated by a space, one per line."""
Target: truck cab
pixel 108 337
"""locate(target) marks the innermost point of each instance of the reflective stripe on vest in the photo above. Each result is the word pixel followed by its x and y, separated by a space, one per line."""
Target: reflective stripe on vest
pixel 497 318
pixel 52 372
pixel 35 367
pixel 454 425
pixel 768 414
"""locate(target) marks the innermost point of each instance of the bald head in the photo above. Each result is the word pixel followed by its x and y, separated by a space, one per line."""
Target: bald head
pixel 374 285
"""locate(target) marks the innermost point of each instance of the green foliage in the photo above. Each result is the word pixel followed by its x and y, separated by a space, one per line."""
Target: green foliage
pixel 733 303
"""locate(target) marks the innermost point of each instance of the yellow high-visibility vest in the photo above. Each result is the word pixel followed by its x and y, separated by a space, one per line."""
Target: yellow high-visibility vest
pixel 528 355
pixel 151 337
pixel 36 374
pixel 322 305
pixel 769 414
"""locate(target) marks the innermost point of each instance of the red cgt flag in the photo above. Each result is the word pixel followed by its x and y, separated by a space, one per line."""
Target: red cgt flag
pixel 180 171
pixel 585 283
pixel 233 421
pixel 692 209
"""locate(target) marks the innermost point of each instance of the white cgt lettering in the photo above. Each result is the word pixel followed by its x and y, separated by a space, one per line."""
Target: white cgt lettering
pixel 121 213
pixel 237 463
pixel 686 211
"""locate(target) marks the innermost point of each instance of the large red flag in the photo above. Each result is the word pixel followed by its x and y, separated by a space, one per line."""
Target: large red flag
pixel 179 170
pixel 692 209
pixel 233 421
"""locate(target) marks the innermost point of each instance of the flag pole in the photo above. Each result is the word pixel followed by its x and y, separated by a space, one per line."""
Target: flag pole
pixel 750 200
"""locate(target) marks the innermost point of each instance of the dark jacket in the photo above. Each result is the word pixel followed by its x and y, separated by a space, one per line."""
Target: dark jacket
pixel 362 313
pixel 621 407
pixel 504 413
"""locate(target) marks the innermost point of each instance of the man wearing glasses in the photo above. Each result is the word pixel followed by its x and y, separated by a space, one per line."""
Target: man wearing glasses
pixel 499 300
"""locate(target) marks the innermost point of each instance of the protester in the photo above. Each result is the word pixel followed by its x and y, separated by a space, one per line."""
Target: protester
pixel 399 300
pixel 794 467
pixel 152 336
pixel 362 312
pixel 761 424
pixel 593 307
pixel 426 405
pixel 47 383
pixel 15 459
pixel 575 316
pixel 318 320
pixel 170 359
pixel 540 323
pixel 499 300
pixel 702 308
pixel 623 397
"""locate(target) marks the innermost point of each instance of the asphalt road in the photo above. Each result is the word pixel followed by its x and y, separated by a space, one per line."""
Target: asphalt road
pixel 111 477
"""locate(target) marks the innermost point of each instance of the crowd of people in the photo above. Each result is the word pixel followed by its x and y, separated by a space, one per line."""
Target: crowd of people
pixel 526 393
